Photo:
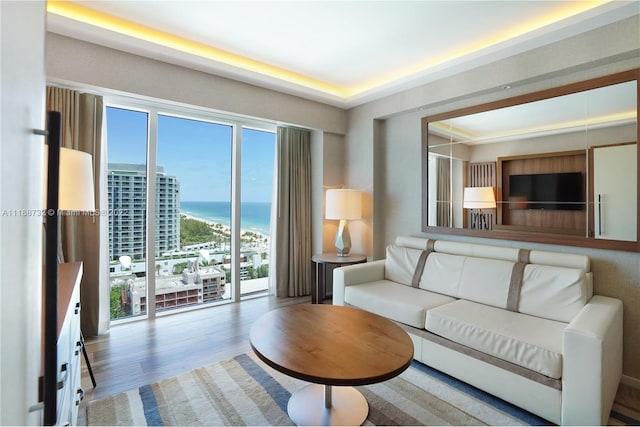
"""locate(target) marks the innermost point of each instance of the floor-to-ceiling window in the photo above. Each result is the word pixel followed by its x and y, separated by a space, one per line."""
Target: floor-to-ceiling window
pixel 193 259
pixel 127 131
pixel 258 151
pixel 193 211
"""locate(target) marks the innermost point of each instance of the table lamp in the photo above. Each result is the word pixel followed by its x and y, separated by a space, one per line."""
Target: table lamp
pixel 343 204
pixel 479 198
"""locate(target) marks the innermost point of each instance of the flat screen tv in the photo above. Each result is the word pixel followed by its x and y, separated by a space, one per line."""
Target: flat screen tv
pixel 553 191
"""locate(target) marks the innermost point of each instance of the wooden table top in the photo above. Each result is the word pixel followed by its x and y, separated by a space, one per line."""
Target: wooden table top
pixel 332 345
pixel 335 259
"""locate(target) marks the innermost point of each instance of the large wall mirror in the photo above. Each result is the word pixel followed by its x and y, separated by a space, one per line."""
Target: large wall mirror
pixel 558 166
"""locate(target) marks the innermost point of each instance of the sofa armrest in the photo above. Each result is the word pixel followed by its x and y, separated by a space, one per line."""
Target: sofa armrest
pixel 592 362
pixel 353 275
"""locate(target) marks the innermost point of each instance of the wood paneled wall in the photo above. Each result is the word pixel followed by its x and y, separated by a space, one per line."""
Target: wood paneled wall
pixel 569 222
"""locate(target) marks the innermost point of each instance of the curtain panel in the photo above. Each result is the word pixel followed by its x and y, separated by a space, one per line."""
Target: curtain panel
pixel 443 172
pixel 84 237
pixel 291 224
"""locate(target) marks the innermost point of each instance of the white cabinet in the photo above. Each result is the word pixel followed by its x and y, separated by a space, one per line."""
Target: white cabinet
pixel 69 344
pixel 615 201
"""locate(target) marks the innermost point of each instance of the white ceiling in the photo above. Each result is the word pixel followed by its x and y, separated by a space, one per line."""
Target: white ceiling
pixel 340 52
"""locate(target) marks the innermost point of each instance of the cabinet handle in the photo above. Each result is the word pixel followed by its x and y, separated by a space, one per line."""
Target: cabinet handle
pixel 80 394
pixel 64 369
pixel 77 308
pixel 599 214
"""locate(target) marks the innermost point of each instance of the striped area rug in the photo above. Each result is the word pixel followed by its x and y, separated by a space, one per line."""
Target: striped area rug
pixel 245 391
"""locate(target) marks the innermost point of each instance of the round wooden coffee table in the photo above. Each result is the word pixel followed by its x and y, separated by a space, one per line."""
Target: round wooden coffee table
pixel 330 346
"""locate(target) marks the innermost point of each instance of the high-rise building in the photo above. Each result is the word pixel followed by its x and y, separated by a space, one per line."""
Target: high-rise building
pixel 127 185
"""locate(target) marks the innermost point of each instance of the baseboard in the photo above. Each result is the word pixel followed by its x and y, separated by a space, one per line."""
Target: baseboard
pixel 630 381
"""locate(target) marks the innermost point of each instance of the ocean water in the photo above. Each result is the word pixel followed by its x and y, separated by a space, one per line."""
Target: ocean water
pixel 254 216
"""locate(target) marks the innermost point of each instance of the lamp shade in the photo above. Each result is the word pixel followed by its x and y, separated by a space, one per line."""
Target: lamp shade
pixel 75 191
pixel 479 198
pixel 343 204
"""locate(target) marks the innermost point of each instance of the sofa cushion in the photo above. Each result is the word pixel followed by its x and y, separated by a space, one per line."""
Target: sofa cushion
pixel 485 281
pixel 401 303
pixel 477 279
pixel 441 273
pixel 400 264
pixel 527 341
pixel 555 293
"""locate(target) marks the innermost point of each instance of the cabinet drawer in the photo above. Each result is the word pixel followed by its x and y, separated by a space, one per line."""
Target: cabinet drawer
pixel 64 400
pixel 69 348
pixel 69 388
pixel 78 396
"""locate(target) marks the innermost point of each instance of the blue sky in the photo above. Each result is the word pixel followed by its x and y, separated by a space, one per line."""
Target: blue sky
pixel 197 153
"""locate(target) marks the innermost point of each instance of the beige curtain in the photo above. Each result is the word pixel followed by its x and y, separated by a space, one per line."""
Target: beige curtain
pixel 82 116
pixel 290 275
pixel 443 192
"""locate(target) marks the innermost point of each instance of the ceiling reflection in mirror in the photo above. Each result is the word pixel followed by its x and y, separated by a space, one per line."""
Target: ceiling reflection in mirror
pixel 548 162
pixel 603 107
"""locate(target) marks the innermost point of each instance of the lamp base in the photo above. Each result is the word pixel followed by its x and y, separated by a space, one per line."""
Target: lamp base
pixel 343 239
pixel 479 221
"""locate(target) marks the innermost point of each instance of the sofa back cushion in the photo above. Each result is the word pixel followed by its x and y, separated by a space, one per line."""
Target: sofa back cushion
pixel 555 293
pixel 550 292
pixel 486 281
pixel 476 279
pixel 400 264
pixel 442 273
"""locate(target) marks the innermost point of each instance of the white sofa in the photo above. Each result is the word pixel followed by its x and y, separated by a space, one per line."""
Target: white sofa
pixel 522 325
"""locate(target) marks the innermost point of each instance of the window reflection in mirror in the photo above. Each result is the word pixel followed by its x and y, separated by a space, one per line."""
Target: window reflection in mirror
pixel 565 165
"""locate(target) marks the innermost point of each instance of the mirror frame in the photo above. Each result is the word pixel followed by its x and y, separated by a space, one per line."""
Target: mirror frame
pixel 528 236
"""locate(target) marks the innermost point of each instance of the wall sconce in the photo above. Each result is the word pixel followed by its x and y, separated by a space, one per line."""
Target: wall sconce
pixel 479 198
pixel 343 204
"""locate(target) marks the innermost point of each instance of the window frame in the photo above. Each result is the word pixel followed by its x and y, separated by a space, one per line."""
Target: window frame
pixel 153 108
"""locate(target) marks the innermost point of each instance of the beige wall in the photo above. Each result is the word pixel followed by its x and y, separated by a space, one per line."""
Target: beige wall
pixel 384 150
pixel 327 171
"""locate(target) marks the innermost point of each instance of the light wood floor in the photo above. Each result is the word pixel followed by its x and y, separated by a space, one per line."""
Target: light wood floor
pixel 142 352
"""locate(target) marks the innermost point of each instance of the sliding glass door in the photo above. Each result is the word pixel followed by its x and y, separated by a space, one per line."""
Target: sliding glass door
pixel 127 133
pixel 193 203
pixel 258 151
pixel 186 209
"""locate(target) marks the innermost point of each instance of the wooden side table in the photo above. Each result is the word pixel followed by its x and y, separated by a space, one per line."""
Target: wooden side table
pixel 323 262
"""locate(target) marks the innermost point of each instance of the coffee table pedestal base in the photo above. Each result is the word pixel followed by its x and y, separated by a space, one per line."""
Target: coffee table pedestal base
pixel 347 406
